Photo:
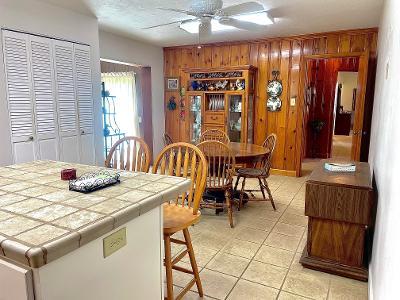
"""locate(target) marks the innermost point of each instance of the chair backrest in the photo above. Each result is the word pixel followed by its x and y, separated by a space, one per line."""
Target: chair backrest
pixel 214 135
pixel 130 153
pixel 184 160
pixel 269 143
pixel 167 139
pixel 221 163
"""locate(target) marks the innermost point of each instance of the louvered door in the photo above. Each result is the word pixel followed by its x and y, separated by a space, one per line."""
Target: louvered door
pixel 84 95
pixel 66 100
pixel 18 82
pixel 44 97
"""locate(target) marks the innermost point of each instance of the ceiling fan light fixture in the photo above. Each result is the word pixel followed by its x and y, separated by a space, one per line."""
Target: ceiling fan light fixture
pixel 193 26
pixel 260 18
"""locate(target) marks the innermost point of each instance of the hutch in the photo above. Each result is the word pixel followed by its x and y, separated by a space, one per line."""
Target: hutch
pixel 220 98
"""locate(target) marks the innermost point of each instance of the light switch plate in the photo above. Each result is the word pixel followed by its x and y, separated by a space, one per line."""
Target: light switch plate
pixel 293 101
pixel 114 242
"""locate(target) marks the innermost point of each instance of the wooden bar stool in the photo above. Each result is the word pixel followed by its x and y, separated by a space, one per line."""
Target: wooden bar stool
pixel 130 153
pixel 182 160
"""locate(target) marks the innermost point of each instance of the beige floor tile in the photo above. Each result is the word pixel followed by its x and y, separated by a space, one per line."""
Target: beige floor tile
pixel 251 235
pixel 190 295
pixel 347 289
pixel 241 248
pixel 215 284
pixel 202 254
pixel 266 274
pixel 245 290
pixel 288 296
pixel 286 229
pixel 295 210
pixel 294 219
pixel 307 283
pixel 228 264
pixel 274 256
pixel 282 241
pixel 302 243
pixel 256 223
pixel 296 265
pixel 210 241
pixel 179 278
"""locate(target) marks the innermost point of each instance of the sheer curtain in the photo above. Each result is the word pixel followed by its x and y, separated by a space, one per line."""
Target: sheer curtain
pixel 122 85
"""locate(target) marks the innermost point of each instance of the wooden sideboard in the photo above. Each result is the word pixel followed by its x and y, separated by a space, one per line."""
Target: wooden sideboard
pixel 340 209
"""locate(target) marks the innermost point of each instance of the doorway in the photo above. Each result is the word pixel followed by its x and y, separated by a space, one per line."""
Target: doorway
pixel 333 108
pixel 126 102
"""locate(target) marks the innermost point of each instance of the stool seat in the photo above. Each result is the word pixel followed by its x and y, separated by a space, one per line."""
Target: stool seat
pixel 177 217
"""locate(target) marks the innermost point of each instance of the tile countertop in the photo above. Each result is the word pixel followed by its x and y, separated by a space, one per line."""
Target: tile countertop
pixel 41 220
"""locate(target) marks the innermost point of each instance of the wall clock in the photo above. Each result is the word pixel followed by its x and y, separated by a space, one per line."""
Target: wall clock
pixel 274 90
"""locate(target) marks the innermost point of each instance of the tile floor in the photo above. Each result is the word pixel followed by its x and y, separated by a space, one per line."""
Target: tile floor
pixel 259 257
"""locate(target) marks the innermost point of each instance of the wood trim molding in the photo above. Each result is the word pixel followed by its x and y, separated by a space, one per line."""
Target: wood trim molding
pixel 280 38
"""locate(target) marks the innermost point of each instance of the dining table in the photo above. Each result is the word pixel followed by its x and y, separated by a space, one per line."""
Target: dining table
pixel 247 153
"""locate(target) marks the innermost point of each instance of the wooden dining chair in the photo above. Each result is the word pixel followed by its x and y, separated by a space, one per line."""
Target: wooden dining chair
pixel 130 153
pixel 182 160
pixel 214 135
pixel 167 139
pixel 260 171
pixel 221 166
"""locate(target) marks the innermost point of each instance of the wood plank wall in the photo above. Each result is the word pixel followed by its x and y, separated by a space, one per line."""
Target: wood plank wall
pixel 283 54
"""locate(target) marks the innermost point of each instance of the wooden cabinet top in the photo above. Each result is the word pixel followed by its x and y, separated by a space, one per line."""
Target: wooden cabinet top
pixel 360 179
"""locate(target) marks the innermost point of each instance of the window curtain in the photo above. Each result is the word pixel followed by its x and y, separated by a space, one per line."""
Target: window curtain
pixel 122 85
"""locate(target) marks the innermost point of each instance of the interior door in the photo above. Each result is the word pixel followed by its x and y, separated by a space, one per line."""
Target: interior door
pixel 44 97
pixel 18 82
pixel 359 107
pixel 84 95
pixel 65 95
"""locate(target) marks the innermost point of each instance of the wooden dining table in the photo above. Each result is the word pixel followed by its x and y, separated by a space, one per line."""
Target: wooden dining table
pixel 246 153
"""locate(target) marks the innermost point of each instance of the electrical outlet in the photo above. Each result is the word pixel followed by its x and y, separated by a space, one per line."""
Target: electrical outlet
pixel 114 242
pixel 293 101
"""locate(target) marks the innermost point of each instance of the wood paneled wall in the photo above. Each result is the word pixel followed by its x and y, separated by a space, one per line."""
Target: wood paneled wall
pixel 283 54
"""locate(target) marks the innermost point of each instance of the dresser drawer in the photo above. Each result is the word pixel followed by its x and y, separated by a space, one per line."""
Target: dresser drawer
pixel 214 118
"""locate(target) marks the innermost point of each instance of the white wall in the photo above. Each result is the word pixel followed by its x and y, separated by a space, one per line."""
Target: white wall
pixel 126 50
pixel 385 159
pixel 37 17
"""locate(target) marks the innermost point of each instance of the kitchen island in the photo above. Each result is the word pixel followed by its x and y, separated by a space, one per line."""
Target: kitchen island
pixel 60 244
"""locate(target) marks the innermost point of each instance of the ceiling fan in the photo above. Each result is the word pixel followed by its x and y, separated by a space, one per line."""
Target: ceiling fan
pixel 206 16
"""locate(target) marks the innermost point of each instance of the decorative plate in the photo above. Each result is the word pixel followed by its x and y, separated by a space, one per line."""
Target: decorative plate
pixel 274 88
pixel 274 104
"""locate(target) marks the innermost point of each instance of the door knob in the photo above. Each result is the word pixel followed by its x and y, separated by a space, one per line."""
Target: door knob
pixel 30 138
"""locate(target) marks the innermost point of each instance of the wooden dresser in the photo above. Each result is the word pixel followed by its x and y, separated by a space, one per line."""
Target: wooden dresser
pixel 340 209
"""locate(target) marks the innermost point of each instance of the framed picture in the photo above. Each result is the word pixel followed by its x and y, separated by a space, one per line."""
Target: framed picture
pixel 171 83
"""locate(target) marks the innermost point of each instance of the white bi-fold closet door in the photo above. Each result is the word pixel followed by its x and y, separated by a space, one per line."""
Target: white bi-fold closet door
pixel 49 98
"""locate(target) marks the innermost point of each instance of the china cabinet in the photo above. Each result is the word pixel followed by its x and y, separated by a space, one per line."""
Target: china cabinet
pixel 220 98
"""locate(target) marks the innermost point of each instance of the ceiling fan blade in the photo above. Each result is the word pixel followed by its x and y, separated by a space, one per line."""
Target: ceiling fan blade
pixel 166 24
pixel 187 12
pixel 204 30
pixel 244 8
pixel 241 24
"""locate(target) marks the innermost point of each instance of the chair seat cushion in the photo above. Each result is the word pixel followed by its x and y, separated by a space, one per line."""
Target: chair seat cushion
pixel 177 217
pixel 250 172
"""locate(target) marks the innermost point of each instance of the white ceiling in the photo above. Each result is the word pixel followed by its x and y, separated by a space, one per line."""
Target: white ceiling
pixel 292 17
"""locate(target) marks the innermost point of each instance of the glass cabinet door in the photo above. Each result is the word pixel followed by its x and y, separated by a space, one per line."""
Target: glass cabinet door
pixel 195 118
pixel 235 117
